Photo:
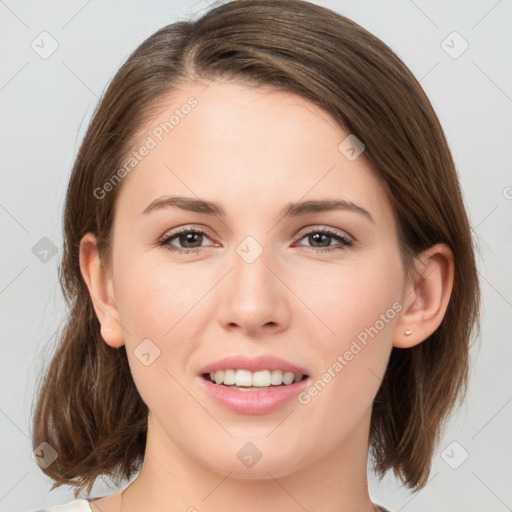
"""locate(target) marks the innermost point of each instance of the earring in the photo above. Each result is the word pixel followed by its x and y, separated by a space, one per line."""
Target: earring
pixel 408 332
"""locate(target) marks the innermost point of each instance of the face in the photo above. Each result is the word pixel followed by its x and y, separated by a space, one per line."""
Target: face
pixel 319 288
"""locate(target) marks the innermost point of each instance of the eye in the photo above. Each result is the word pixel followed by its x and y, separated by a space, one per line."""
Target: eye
pixel 324 237
pixel 190 240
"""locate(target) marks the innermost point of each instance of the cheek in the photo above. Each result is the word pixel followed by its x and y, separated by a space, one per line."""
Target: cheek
pixel 155 307
pixel 348 298
pixel 361 305
pixel 155 297
pixel 166 304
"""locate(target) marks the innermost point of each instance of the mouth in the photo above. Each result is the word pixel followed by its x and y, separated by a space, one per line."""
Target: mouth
pixel 252 385
pixel 246 380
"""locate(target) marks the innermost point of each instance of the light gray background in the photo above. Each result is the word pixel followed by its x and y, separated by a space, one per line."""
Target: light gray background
pixel 46 105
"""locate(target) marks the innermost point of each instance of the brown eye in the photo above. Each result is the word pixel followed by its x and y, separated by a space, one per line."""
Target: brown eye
pixel 321 239
pixel 188 240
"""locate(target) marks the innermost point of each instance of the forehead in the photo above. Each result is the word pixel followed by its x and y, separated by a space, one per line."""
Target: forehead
pixel 246 146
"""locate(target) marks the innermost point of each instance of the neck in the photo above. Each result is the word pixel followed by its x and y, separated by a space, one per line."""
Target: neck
pixel 171 480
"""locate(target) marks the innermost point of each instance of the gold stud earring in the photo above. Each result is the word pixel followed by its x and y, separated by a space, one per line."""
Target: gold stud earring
pixel 408 332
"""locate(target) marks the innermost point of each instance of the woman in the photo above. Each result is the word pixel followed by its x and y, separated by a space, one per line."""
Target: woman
pixel 269 269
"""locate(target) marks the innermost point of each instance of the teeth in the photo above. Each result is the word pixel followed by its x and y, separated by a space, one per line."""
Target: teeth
pixel 288 378
pixel 260 379
pixel 229 377
pixel 242 378
pixel 276 377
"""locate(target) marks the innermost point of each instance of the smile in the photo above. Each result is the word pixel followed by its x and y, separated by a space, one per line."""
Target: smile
pixel 246 380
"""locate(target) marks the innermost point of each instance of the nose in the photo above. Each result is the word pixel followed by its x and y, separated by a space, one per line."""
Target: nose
pixel 254 298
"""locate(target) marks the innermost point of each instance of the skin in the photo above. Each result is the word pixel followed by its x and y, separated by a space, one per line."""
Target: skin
pixel 253 150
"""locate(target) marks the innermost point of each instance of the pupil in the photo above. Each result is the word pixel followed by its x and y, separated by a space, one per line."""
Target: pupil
pixel 317 236
pixel 189 238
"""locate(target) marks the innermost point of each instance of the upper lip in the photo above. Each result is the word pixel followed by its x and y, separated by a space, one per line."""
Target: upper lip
pixel 253 364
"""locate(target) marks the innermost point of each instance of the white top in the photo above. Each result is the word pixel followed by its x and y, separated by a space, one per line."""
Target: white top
pixel 80 505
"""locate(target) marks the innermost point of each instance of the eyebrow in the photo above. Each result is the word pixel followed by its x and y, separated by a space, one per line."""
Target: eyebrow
pixel 290 210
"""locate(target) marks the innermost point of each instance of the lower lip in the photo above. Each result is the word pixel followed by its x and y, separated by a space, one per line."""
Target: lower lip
pixel 253 402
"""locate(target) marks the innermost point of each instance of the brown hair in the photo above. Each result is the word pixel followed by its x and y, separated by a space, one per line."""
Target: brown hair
pixel 89 409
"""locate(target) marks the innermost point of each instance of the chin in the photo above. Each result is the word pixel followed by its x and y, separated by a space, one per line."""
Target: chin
pixel 247 462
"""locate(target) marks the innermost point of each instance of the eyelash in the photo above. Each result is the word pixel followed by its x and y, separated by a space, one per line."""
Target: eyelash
pixel 343 240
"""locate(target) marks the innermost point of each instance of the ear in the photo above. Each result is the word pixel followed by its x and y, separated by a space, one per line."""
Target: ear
pixel 99 282
pixel 426 297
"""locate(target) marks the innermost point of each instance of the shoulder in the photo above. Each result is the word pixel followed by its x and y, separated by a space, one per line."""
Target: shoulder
pixel 80 505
